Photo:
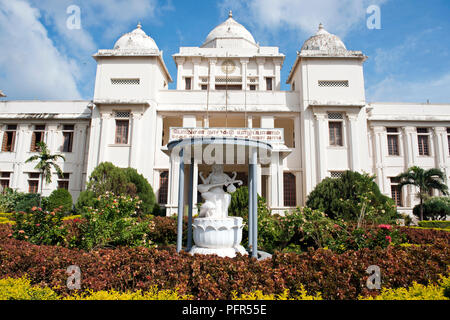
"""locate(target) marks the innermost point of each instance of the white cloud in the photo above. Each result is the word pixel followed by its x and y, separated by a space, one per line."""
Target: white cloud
pixel 30 65
pixel 393 89
pixel 303 15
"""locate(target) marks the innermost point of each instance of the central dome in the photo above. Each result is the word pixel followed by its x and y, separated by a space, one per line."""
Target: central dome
pixel 136 40
pixel 229 29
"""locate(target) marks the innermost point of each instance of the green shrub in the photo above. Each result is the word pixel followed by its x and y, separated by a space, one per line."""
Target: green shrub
pixel 349 196
pixel 106 177
pixel 139 186
pixel 112 222
pixel 39 226
pixel 435 224
pixel 26 201
pixel 434 208
pixel 9 199
pixel 59 198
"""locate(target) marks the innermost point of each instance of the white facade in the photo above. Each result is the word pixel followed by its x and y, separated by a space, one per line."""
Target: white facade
pixel 231 81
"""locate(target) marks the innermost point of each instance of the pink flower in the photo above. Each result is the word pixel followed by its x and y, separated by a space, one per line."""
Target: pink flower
pixel 10 235
pixel 21 231
pixel 385 226
pixel 38 224
pixel 388 238
pixel 34 208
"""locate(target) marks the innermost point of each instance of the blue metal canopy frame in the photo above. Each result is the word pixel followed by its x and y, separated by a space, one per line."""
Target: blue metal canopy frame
pixel 253 146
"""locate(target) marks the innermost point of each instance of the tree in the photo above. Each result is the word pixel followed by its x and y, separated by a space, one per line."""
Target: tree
pixel 119 181
pixel 46 162
pixel 351 196
pixel 425 181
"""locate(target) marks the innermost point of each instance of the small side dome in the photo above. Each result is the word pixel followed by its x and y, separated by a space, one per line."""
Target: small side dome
pixel 323 40
pixel 136 40
pixel 229 29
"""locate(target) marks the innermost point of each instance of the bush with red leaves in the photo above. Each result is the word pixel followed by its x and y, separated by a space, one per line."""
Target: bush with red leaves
pixel 336 276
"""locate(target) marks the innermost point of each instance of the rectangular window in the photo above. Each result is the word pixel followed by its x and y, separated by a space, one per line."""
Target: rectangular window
pixel 396 192
pixel 204 87
pixel 188 81
pixel 448 140
pixel 9 138
pixel 37 136
pixel 289 189
pixel 122 127
pixel 4 181
pixel 68 131
pixel 252 87
pixel 269 84
pixel 163 187
pixel 63 181
pixel 392 140
pixel 33 182
pixel 423 141
pixel 335 131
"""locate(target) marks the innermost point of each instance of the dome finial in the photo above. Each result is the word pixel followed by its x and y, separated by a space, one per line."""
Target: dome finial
pixel 139 26
pixel 230 14
pixel 320 26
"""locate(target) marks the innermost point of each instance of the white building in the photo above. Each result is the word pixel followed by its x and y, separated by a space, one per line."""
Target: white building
pixel 229 81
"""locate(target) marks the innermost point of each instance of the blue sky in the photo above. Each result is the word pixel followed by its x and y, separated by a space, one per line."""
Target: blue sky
pixel 41 58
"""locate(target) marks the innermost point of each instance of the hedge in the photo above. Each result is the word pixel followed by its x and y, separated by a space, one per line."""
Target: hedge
pixel 435 224
pixel 335 276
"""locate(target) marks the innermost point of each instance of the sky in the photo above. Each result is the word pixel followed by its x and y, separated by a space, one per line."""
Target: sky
pixel 46 51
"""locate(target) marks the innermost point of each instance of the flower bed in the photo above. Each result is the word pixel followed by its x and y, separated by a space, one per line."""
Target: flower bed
pixel 335 276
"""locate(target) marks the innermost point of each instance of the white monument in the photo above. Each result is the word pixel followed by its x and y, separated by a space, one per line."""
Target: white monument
pixel 214 231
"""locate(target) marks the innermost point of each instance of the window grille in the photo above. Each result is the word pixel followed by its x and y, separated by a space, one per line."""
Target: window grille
pixel 336 174
pixel 125 82
pixel 333 83
pixel 335 116
pixel 229 80
pixel 122 131
pixel 204 80
pixel 122 114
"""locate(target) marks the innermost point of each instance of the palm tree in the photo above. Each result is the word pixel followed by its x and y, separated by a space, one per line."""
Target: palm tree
pixel 425 180
pixel 46 162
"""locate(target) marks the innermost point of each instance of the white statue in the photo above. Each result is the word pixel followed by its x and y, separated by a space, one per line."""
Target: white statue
pixel 216 199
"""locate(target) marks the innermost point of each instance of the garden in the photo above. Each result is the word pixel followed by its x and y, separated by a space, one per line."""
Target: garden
pixel 124 246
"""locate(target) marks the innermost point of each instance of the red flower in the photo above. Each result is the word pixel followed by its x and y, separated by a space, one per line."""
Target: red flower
pixel 38 224
pixel 34 208
pixel 388 238
pixel 385 226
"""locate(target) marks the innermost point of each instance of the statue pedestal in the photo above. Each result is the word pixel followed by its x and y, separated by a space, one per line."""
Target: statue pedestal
pixel 221 236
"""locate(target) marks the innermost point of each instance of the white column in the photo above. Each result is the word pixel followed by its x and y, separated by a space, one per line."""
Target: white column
pixel 180 62
pixel 410 138
pixel 106 135
pixel 261 83
pixel 322 129
pixel 274 192
pixel 244 63
pixel 212 75
pixel 354 141
pixel 196 61
pixel 379 153
pixel 135 145
pixel 441 148
pixel 80 137
pixel 277 85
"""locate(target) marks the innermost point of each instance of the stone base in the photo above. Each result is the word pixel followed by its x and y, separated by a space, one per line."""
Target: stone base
pixel 221 252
